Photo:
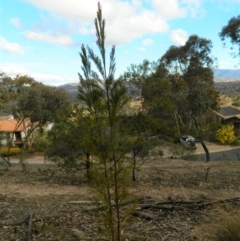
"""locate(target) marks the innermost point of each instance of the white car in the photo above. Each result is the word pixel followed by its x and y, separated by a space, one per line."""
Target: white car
pixel 188 142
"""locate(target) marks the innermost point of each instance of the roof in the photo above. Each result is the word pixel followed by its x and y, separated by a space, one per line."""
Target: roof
pixel 12 125
pixel 228 112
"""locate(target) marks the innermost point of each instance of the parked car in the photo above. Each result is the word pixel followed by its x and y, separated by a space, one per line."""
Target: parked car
pixel 189 142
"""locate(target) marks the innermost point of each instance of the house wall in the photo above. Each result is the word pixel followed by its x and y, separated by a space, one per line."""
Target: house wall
pixel 12 137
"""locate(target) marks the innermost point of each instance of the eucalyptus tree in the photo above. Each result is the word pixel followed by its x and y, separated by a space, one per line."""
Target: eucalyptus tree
pixel 193 64
pixel 137 75
pixel 154 88
pixel 104 98
pixel 232 32
pixel 38 105
pixel 10 89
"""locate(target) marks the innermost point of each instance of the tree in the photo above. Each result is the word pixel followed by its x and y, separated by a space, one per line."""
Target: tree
pixel 10 88
pixel 149 78
pixel 38 105
pixel 69 141
pixel 190 67
pixel 232 31
pixel 104 99
pixel 65 139
pixel 137 75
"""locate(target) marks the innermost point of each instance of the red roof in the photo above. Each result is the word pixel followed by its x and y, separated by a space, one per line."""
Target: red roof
pixel 12 125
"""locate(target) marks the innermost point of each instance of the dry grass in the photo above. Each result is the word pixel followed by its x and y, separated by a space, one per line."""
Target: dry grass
pixel 223 224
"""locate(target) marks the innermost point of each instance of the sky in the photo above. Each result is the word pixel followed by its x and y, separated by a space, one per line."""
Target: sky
pixel 43 38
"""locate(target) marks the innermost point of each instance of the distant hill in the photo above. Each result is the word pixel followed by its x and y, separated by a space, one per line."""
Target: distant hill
pixel 71 89
pixel 220 75
pixel 227 73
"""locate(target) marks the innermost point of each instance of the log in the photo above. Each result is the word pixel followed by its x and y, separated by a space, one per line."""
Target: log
pixel 143 215
pixel 176 205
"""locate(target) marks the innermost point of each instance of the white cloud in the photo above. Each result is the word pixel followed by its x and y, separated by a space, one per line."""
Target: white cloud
pixel 169 9
pixel 126 20
pixel 179 36
pixel 47 78
pixel 14 69
pixel 130 27
pixel 73 9
pixel 52 79
pixel 141 49
pixel 147 42
pixel 193 8
pixel 63 40
pixel 16 22
pixel 13 48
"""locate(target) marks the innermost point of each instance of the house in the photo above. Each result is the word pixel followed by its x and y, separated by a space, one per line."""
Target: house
pixel 230 115
pixel 13 130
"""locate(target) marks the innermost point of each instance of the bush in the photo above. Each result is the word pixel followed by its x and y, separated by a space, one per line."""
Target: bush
pixel 6 152
pixel 226 135
pixel 236 142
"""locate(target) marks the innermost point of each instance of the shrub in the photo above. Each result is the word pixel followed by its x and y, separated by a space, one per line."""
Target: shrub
pixel 5 151
pixel 226 135
pixel 236 142
pixel 223 226
pixel 41 143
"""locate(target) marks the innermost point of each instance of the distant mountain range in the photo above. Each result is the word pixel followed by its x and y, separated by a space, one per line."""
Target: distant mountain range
pixel 227 73
pixel 220 75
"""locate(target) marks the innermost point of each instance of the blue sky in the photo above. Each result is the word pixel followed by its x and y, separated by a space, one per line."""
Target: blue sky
pixel 42 38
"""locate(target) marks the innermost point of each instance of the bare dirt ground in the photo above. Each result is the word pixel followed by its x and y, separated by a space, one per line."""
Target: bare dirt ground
pixel 175 195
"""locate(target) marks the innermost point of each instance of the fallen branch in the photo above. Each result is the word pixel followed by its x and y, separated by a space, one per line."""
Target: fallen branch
pixel 171 205
pixel 177 205
pixel 29 230
pixel 143 215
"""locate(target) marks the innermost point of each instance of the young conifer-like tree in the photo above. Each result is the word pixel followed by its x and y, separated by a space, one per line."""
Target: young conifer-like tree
pixel 104 98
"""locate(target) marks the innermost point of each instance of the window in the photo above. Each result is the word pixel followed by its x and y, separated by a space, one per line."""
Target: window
pixel 236 125
pixel 18 136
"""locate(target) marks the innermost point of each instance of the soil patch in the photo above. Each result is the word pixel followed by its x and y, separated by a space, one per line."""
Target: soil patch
pixel 188 188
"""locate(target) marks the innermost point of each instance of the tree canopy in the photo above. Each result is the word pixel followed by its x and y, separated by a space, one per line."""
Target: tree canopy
pixel 232 31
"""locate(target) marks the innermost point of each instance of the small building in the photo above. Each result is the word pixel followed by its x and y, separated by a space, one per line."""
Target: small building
pixel 230 115
pixel 14 131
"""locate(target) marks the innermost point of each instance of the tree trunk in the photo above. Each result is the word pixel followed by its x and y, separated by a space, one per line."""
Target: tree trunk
pixel 134 168
pixel 88 163
pixel 6 159
pixel 206 151
pixel 202 141
pixel 177 123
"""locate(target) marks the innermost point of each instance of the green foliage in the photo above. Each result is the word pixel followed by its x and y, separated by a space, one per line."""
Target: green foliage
pixel 236 101
pixel 232 31
pixel 104 99
pixel 7 152
pixel 236 142
pixel 10 88
pixel 226 135
pixel 41 141
pixel 66 138
pixel 189 69
pixel 39 104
